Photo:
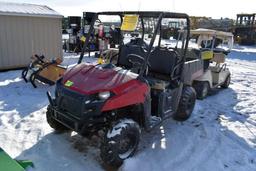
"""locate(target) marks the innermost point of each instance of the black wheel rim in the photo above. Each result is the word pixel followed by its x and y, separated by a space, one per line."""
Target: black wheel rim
pixel 126 146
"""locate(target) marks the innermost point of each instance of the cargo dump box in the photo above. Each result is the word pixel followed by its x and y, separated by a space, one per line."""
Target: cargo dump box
pixel 193 68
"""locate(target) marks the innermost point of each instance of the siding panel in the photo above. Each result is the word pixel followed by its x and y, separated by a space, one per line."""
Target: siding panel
pixel 20 37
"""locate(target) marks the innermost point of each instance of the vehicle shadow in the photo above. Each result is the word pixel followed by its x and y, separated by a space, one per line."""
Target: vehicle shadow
pixel 63 152
pixel 66 151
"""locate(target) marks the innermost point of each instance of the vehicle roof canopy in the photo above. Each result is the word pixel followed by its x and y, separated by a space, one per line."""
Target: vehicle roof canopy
pixel 211 33
pixel 153 14
pixel 208 34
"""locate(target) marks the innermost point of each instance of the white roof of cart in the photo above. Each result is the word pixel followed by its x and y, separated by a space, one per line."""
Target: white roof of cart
pixel 22 9
pixel 209 32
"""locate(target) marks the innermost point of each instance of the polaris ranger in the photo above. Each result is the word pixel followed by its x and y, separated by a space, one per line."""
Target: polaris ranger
pixel 144 87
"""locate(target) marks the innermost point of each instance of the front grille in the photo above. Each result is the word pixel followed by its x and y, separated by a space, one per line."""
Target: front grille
pixel 71 102
pixel 71 105
pixel 67 122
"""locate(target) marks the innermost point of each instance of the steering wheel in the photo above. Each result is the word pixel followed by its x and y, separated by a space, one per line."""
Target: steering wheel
pixel 139 42
pixel 135 60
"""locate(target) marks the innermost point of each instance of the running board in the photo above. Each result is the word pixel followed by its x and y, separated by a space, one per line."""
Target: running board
pixel 152 123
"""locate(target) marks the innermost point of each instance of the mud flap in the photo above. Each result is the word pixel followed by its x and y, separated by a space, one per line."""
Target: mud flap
pixel 8 164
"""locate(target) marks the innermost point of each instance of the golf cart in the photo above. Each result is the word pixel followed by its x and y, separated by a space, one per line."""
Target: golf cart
pixel 216 74
pixel 143 88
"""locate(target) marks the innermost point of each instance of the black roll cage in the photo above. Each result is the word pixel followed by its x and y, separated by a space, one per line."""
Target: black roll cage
pixel 142 14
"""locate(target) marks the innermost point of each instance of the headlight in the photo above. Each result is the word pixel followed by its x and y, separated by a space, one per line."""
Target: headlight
pixel 104 95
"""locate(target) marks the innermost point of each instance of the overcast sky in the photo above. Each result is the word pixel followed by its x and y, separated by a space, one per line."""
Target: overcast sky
pixel 209 8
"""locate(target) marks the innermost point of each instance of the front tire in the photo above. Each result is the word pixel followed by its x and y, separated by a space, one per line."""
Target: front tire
pixel 227 82
pixel 120 142
pixel 186 104
pixel 52 122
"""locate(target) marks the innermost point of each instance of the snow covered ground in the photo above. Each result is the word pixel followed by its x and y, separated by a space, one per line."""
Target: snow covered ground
pixel 221 134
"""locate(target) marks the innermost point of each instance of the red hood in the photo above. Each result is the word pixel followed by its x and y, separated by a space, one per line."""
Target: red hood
pixel 90 79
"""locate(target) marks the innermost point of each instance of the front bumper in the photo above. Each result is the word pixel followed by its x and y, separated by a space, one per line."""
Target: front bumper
pixel 75 111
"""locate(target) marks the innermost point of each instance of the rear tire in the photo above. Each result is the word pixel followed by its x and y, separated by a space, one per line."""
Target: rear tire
pixel 120 142
pixel 53 123
pixel 186 104
pixel 202 89
pixel 227 82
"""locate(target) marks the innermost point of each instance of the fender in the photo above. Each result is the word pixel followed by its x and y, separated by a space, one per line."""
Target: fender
pixel 207 76
pixel 131 93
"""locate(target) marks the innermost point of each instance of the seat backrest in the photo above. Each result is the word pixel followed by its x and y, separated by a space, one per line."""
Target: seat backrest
pixel 125 50
pixel 193 54
pixel 162 61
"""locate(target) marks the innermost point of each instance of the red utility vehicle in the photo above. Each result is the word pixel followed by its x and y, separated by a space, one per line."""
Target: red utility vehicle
pixel 146 86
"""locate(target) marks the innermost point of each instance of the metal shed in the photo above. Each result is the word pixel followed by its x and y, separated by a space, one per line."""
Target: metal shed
pixel 27 29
